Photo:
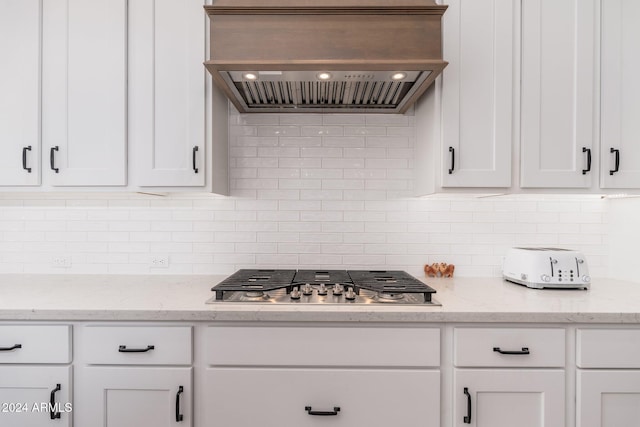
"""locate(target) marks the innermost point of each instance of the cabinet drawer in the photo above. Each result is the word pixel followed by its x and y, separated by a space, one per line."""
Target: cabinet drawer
pixel 323 346
pixel 608 348
pixel 35 344
pixel 365 397
pixel 509 347
pixel 136 345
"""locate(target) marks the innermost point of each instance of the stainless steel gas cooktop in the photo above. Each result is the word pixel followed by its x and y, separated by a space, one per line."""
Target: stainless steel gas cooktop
pixel 322 287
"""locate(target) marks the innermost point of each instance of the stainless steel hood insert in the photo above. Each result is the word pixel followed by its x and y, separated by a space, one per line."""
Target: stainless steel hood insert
pixel 302 91
pixel 342 56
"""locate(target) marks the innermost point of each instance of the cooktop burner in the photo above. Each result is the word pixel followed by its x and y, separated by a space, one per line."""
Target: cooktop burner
pixel 323 287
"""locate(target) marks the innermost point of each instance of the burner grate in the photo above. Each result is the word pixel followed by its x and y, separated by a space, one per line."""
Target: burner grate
pixel 249 280
pixel 390 282
pixel 318 277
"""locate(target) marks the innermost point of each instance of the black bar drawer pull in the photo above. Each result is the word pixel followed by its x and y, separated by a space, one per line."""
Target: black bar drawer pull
pixel 525 350
pixel 195 150
pixel 453 160
pixel 24 158
pixel 588 151
pixel 310 411
pixel 52 403
pixel 52 159
pixel 617 167
pixel 467 418
pixel 179 416
pixel 13 347
pixel 124 349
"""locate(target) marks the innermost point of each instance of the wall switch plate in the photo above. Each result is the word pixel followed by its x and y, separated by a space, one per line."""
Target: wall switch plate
pixel 159 262
pixel 61 261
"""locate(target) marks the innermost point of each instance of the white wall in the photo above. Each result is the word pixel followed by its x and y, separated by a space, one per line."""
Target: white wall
pixel 328 191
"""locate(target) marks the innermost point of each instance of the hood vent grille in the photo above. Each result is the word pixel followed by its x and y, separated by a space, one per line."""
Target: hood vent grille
pixel 347 56
pixel 301 91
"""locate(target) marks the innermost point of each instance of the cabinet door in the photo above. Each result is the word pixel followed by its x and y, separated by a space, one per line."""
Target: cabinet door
pixel 133 397
pixel 167 91
pixel 20 92
pixel 559 44
pixel 620 126
pixel 508 398
pixel 84 91
pixel 239 397
pixel 477 93
pixel 26 394
pixel 608 398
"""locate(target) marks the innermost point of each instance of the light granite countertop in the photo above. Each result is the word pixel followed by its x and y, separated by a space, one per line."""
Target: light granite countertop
pixel 182 298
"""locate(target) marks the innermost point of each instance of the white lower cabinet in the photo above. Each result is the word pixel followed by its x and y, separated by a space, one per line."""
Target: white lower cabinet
pixel 608 398
pixel 508 398
pixel 133 397
pixel 518 392
pixel 608 379
pixel 343 376
pixel 35 375
pixel 316 397
pixel 244 374
pixel 35 396
pixel 134 376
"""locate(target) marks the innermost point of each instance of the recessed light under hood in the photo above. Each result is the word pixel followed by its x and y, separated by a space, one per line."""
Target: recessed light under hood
pixel 347 56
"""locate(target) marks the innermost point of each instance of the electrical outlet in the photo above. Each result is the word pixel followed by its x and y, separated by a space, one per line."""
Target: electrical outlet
pixel 159 262
pixel 61 261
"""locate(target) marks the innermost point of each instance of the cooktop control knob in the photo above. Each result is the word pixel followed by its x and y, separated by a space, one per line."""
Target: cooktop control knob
pixel 350 295
pixel 322 290
pixel 307 289
pixel 337 289
pixel 295 293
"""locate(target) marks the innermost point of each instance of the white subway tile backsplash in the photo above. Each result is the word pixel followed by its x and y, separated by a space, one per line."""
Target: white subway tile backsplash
pixel 307 191
pixel 322 152
pixel 321 194
pixel 322 131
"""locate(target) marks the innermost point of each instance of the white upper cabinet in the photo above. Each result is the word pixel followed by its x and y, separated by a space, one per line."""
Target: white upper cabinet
pixel 620 112
pixel 559 86
pixel 84 91
pixel 20 39
pixel 477 93
pixel 167 92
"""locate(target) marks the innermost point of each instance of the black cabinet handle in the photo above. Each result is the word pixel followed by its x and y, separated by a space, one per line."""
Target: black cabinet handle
pixel 524 350
pixel 179 416
pixel 14 347
pixel 195 150
pixel 617 168
pixel 52 403
pixel 24 158
pixel 335 411
pixel 52 159
pixel 124 349
pixel 467 418
pixel 453 160
pixel 588 151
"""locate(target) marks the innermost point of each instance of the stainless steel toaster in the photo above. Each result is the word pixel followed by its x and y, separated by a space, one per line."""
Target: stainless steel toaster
pixel 546 268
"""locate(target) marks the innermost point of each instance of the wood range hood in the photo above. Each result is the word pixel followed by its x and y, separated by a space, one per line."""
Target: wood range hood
pixel 325 56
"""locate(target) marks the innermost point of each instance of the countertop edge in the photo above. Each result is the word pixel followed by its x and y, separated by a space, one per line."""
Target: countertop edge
pixel 190 316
